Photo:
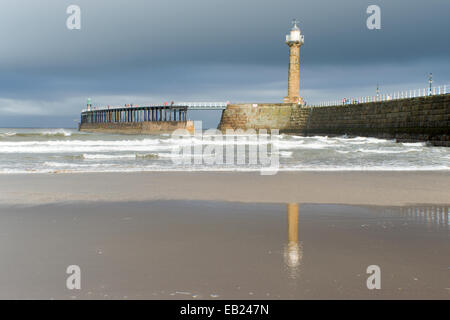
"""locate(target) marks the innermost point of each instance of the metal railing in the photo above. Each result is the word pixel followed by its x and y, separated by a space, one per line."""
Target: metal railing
pixel 301 39
pixel 204 105
pixel 422 92
pixel 190 105
pixel 100 108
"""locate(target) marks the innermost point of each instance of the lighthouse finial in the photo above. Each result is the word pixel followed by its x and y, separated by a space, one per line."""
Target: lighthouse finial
pixel 294 24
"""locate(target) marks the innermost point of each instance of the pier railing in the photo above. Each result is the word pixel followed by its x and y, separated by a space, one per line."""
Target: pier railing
pixel 204 105
pixel 131 106
pixel 190 105
pixel 406 94
pixel 153 112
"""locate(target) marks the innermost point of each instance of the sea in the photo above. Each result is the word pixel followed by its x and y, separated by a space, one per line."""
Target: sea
pixel 26 151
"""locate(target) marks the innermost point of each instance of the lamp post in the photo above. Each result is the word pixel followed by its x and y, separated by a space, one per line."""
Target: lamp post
pixel 430 82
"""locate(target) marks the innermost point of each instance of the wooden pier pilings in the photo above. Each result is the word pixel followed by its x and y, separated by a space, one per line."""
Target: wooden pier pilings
pixel 135 120
pixel 134 114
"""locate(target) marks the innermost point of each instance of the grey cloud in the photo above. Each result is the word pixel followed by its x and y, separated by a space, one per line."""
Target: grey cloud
pixel 212 50
pixel 121 34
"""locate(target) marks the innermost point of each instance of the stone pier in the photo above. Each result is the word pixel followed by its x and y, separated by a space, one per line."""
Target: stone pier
pixel 407 120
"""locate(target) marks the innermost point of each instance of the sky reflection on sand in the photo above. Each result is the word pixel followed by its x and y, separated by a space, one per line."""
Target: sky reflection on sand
pixel 223 250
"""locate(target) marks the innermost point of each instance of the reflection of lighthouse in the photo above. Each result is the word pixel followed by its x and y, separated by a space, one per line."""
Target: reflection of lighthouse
pixel 294 40
pixel 293 251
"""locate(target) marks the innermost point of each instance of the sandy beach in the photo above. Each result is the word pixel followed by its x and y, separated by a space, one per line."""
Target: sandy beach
pixel 212 235
pixel 366 188
pixel 222 250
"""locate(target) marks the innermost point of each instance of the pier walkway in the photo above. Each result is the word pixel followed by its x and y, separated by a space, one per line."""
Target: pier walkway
pixel 174 112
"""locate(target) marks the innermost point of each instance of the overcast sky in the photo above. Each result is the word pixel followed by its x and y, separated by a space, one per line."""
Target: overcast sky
pixel 151 51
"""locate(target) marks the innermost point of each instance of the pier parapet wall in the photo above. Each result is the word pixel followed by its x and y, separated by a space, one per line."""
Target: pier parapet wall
pixel 407 120
pixel 138 127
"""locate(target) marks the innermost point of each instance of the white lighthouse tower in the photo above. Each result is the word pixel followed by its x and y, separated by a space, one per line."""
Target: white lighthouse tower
pixel 294 40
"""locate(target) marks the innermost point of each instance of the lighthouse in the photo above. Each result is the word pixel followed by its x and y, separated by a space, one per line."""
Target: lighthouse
pixel 294 40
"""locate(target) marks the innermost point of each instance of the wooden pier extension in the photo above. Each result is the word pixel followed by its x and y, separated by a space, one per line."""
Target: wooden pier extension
pixel 135 120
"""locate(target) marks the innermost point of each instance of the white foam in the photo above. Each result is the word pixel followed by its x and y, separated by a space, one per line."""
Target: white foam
pixel 368 168
pixel 141 142
pixel 286 154
pixel 81 147
pixel 57 132
pixel 388 151
pixel 287 145
pixel 8 134
pixel 108 156
pixel 414 144
pixel 62 167
pixel 53 164
pixel 108 153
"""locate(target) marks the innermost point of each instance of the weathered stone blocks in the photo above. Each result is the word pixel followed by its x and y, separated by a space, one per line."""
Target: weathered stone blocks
pixel 147 127
pixel 414 119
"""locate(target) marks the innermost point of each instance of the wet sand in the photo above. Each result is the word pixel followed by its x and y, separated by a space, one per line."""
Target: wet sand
pixel 370 188
pixel 214 235
pixel 223 250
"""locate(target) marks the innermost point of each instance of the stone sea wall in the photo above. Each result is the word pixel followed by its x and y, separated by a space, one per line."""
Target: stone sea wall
pixel 407 120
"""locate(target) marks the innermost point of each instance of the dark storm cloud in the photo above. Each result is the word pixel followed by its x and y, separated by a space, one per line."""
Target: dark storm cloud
pixel 147 33
pixel 209 49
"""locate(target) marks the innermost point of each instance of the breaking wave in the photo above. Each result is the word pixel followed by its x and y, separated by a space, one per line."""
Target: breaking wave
pixel 48 133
